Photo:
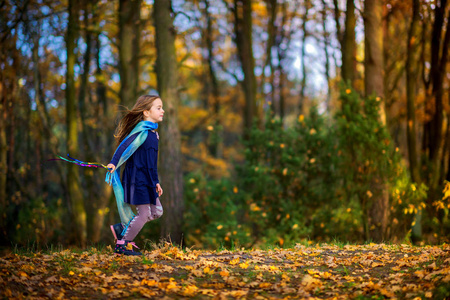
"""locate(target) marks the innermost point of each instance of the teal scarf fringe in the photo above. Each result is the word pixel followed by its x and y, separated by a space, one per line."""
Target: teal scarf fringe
pixel 125 212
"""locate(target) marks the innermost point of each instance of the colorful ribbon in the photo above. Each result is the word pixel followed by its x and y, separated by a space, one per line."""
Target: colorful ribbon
pixel 80 163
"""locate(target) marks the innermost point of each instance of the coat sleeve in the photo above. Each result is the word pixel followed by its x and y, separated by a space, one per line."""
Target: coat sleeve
pixel 154 173
pixel 122 148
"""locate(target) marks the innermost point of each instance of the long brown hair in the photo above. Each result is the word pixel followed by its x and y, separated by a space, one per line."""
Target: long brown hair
pixel 133 116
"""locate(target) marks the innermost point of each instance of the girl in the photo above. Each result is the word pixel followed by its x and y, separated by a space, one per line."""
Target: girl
pixel 137 145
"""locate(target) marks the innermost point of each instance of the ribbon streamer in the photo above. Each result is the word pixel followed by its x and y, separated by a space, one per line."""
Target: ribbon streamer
pixel 80 163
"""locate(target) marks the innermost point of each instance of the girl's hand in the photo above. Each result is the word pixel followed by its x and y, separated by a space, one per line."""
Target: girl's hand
pixel 159 190
pixel 111 168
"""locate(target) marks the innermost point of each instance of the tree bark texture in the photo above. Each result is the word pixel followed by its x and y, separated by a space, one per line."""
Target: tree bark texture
pixel 326 51
pixel 3 151
pixel 129 41
pixel 303 58
pixel 373 49
pixel 411 90
pixel 283 35
pixel 216 136
pixel 8 87
pixel 337 19
pixel 77 211
pixel 170 142
pixel 100 141
pixel 439 58
pixel 6 91
pixel 373 77
pixel 243 29
pixel 411 79
pixel 94 217
pixel 272 30
pixel 348 45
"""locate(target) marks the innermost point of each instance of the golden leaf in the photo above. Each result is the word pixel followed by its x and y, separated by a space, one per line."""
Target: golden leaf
pixel 149 282
pixel 197 273
pixel 375 264
pixel 274 268
pixel 190 290
pixel 264 285
pixel 243 265
pixel 238 294
pixel 310 283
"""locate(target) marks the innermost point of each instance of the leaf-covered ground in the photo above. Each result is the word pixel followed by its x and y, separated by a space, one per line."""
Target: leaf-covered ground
pixel 374 271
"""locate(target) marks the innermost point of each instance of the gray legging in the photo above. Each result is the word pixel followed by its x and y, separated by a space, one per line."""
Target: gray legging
pixel 145 213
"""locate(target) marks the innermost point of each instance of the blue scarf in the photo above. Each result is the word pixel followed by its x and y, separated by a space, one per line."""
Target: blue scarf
pixel 125 212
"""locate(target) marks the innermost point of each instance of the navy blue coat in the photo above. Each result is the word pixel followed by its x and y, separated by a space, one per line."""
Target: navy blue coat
pixel 140 175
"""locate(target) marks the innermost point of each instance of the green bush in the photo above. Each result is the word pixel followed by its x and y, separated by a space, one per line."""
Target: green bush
pixel 287 176
pixel 371 164
pixel 213 213
pixel 37 222
pixel 315 181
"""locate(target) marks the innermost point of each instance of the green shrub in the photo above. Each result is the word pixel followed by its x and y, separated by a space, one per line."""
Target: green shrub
pixel 371 164
pixel 315 181
pixel 37 222
pixel 287 176
pixel 213 213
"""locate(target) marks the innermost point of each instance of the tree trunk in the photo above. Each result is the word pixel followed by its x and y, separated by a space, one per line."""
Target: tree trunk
pixel 447 149
pixel 303 58
pixel 337 19
pixel 281 84
pixel 272 28
pixel 129 40
pixel 92 205
pixel 216 135
pixel 102 104
pixel 243 29
pixel 284 33
pixel 373 50
pixel 167 76
pixel 3 154
pixel 77 212
pixel 411 78
pixel 373 77
pixel 348 45
pixel 38 99
pixel 432 141
pixel 103 141
pixel 326 50
pixel 439 57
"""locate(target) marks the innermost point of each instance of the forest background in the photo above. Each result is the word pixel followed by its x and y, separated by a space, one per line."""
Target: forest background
pixel 286 121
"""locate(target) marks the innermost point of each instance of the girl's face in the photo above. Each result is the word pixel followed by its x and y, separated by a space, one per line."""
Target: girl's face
pixel 156 113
